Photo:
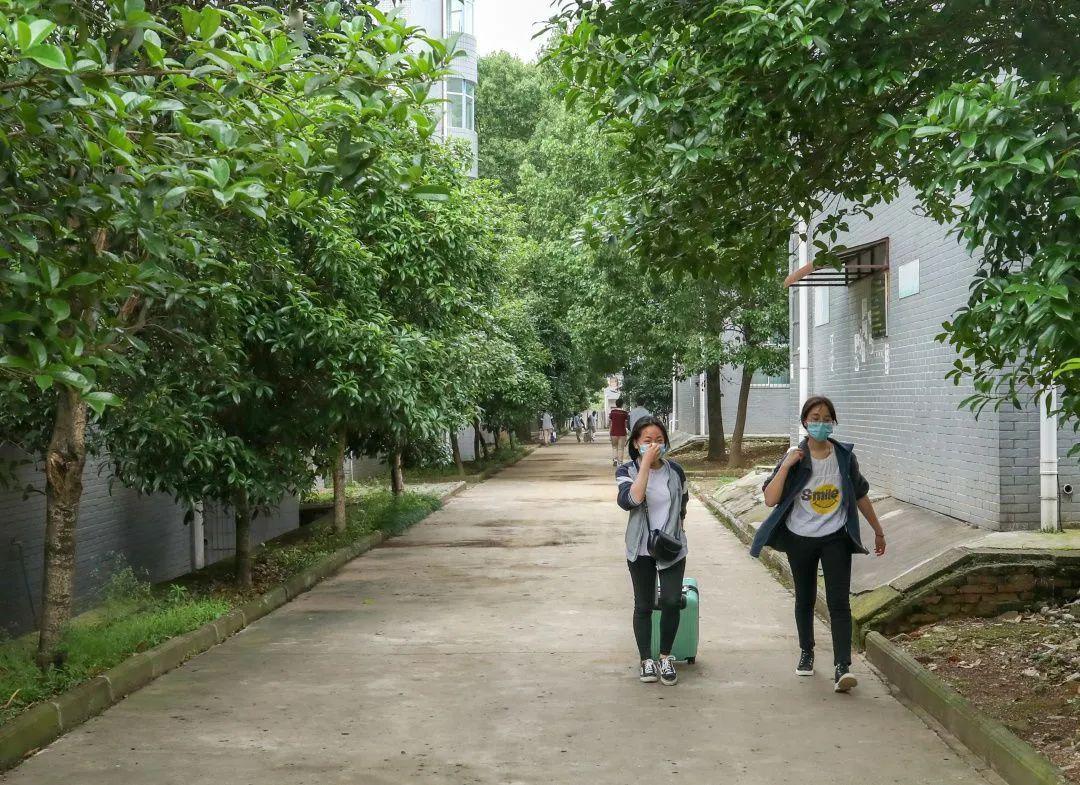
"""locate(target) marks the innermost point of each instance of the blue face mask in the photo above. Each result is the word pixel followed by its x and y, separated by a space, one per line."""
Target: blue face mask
pixel 643 447
pixel 820 430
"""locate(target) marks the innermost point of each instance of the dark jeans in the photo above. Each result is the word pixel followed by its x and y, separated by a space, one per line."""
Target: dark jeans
pixel 834 553
pixel 643 574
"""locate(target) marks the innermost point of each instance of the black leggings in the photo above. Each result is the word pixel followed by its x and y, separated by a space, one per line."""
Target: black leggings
pixel 643 574
pixel 834 553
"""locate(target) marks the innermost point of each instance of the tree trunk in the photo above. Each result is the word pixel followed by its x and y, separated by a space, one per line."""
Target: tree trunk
pixel 717 447
pixel 736 456
pixel 497 445
pixel 481 441
pixel 397 476
pixel 243 560
pixel 456 450
pixel 64 464
pixel 510 437
pixel 340 518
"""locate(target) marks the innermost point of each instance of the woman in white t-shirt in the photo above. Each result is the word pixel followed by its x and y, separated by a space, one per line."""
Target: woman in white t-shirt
pixel 652 489
pixel 818 491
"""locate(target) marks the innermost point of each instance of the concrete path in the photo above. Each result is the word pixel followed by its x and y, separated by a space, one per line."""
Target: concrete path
pixel 492 644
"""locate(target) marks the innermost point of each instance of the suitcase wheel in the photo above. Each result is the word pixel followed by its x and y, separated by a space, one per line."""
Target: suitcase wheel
pixel 691 660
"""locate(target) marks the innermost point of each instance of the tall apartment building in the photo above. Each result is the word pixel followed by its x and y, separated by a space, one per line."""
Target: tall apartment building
pixel 449 19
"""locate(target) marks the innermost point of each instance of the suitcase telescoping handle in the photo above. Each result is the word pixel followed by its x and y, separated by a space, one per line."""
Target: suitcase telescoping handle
pixel 687 587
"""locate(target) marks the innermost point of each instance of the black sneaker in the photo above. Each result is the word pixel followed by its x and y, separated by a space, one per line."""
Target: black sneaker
pixel 844 680
pixel 668 676
pixel 649 671
pixel 806 664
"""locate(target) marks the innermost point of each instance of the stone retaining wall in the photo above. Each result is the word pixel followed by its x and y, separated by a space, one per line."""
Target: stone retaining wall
pixel 984 587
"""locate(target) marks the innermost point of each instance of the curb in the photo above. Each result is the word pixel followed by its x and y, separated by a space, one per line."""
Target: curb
pixel 1015 760
pixel 45 722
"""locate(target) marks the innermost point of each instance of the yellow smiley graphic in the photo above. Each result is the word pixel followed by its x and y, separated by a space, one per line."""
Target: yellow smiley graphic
pixel 824 499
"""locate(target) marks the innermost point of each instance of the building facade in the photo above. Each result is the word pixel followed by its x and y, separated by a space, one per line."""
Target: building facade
pixel 117 526
pixel 870 346
pixel 451 19
pixel 766 408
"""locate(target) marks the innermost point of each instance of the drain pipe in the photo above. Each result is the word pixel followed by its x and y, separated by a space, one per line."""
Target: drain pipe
pixel 1050 507
pixel 703 403
pixel 804 321
pixel 198 534
pixel 674 403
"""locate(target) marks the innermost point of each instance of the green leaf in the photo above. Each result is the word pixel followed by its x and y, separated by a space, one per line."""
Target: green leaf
pixel 174 197
pixel 49 56
pixel 209 22
pixel 7 317
pixel 432 193
pixel 44 381
pixel 11 361
pixel 37 350
pixel 98 400
pixel 220 171
pixel 167 105
pixel 61 309
pixel 79 279
pixel 27 241
pixel 834 13
pixel 929 130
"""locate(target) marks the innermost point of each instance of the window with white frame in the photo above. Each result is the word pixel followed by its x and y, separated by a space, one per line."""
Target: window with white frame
pixel 821 305
pixel 783 379
pixel 461 98
pixel 461 16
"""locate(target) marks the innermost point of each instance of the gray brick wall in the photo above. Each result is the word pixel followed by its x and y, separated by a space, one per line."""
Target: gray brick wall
pixel 766 410
pixel 892 397
pixel 148 531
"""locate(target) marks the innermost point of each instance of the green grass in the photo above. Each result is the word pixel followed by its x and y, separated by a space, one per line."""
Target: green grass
pixel 135 616
pixel 99 642
pixel 423 474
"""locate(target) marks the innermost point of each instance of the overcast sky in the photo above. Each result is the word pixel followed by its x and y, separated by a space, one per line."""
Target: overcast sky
pixel 511 25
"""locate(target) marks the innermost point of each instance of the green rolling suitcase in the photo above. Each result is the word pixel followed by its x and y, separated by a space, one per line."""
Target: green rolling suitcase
pixel 686 639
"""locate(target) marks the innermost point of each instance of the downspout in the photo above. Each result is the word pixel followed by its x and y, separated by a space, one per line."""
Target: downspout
pixel 198 541
pixel 703 405
pixel 674 403
pixel 804 320
pixel 1050 507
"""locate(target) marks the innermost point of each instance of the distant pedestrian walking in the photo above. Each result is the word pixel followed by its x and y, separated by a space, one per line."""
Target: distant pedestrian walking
pixel 637 413
pixel 618 431
pixel 546 428
pixel 577 425
pixel 817 492
pixel 653 490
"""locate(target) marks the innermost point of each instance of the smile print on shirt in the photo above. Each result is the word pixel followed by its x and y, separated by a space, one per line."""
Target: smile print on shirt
pixel 823 499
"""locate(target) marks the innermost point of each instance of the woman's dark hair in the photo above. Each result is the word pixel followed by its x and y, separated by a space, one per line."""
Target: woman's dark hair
pixel 814 401
pixel 641 424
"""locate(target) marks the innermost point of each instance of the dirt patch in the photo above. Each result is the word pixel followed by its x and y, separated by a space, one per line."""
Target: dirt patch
pixel 1021 669
pixel 713 475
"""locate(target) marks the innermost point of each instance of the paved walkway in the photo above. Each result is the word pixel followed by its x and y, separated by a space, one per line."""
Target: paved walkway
pixel 492 644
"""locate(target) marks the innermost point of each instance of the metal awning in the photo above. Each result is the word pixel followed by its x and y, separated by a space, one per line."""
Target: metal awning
pixel 858 263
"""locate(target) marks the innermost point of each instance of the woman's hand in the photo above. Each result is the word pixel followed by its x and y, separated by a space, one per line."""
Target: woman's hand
pixel 879 543
pixel 794 455
pixel 650 454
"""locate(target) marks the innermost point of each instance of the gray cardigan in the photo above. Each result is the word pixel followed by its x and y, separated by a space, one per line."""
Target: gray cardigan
pixel 639 515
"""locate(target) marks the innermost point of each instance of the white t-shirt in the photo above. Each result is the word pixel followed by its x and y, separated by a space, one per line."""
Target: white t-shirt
pixel 658 499
pixel 547 421
pixel 819 507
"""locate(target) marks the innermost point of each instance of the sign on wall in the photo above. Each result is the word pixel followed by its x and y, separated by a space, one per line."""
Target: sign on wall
pixel 909 278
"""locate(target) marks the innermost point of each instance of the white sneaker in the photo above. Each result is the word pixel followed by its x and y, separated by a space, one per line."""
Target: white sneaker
pixel 668 676
pixel 649 672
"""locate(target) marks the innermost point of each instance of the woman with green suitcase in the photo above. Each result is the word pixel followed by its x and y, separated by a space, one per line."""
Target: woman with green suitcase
pixel 653 490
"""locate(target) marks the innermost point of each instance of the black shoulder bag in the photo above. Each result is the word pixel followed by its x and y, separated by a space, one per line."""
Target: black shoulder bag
pixel 662 546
